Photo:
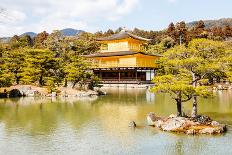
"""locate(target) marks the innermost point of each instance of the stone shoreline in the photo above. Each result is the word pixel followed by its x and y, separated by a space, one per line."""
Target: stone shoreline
pixel 187 125
pixel 34 91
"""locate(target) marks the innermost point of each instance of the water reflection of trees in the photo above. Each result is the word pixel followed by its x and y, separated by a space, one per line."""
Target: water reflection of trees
pixel 184 144
pixel 44 116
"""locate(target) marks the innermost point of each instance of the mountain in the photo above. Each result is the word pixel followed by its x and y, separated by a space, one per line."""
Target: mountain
pixel 5 39
pixel 70 32
pixel 31 34
pixel 214 23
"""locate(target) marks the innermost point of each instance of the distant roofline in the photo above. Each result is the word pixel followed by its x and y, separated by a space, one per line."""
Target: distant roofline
pixel 122 35
pixel 119 53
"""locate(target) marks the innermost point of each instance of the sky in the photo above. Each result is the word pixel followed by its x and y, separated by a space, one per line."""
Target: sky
pixel 19 16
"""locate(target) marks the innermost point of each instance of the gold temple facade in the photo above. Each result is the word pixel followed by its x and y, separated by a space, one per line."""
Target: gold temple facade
pixel 121 59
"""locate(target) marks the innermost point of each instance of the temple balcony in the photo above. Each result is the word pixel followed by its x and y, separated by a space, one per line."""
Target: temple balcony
pixel 124 65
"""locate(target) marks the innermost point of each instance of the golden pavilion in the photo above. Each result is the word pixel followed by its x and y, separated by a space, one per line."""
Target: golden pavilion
pixel 121 60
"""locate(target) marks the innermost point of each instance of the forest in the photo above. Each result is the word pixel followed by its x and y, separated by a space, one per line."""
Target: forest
pixel 53 60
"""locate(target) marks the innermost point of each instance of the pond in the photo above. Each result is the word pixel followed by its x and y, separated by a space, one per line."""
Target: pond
pixel 99 125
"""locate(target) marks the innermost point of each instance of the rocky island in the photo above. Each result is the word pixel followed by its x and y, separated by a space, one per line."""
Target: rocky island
pixel 187 125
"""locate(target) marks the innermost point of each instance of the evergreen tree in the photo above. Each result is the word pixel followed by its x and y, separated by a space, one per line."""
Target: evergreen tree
pixel 5 78
pixel 199 30
pixel 227 31
pixel 77 70
pixel 109 32
pixel 171 31
pixel 181 33
pixel 14 63
pixel 201 58
pixel 14 42
pixel 25 41
pixel 38 64
pixel 39 40
pixel 177 85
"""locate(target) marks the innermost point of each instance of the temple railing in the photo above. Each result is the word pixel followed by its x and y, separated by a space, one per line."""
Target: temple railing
pixel 120 65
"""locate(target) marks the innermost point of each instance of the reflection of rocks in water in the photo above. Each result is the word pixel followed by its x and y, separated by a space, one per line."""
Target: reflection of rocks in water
pixel 39 100
pixel 72 100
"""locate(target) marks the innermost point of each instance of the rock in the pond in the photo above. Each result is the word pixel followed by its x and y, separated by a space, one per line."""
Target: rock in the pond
pixel 151 119
pixel 215 123
pixel 15 93
pixel 173 124
pixel 158 123
pixel 190 132
pixel 132 124
pixel 209 130
pixel 172 116
pixel 4 94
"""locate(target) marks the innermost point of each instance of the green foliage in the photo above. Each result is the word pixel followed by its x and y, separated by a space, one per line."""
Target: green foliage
pixel 200 58
pixel 14 63
pixel 174 85
pixel 77 70
pixel 162 47
pixel 38 66
pixel 95 82
pixel 185 69
pixel 85 44
pixel 21 42
pixel 55 42
pixel 227 59
pixel 5 78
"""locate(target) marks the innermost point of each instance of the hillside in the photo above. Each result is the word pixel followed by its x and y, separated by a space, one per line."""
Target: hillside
pixel 70 32
pixel 214 23
pixel 31 34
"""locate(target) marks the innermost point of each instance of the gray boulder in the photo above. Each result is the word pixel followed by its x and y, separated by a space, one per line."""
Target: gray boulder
pixel 15 93
pixel 173 124
pixel 152 119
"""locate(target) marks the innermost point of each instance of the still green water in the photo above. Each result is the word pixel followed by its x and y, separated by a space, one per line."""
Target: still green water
pixel 99 125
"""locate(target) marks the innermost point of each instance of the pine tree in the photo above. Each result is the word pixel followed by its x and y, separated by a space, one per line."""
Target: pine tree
pixel 171 31
pixel 39 40
pixel 199 59
pixel 181 33
pixel 14 63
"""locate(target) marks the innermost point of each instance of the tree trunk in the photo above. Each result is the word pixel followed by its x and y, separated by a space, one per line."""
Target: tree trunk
pixel 74 84
pixel 17 80
pixel 179 108
pixel 179 104
pixel 65 82
pixel 194 109
pixel 41 80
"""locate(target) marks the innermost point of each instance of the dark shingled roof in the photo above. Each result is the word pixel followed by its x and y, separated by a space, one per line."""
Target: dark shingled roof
pixel 122 35
pixel 119 53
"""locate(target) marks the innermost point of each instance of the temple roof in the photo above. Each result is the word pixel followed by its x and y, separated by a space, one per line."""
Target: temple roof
pixel 122 35
pixel 120 53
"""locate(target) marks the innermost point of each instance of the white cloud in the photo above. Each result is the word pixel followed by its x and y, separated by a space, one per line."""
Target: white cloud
pixel 12 16
pixel 38 15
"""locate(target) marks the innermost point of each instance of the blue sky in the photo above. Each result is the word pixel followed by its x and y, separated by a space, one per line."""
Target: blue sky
pixel 21 16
